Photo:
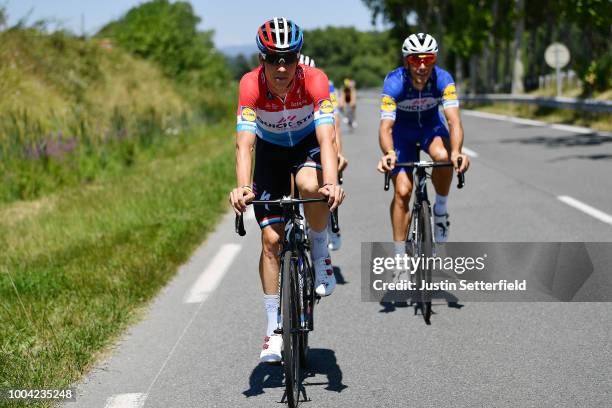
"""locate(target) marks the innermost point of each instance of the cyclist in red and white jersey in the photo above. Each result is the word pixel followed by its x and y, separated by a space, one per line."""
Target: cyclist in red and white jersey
pixel 286 115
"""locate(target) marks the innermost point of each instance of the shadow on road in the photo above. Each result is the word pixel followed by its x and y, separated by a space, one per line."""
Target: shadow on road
pixel 320 362
pixel 264 376
pixel 589 139
pixel 389 306
pixel 584 157
pixel 323 361
pixel 339 277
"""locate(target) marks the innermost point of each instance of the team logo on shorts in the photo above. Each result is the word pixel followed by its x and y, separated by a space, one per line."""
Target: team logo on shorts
pixel 387 104
pixel 325 106
pixel 248 114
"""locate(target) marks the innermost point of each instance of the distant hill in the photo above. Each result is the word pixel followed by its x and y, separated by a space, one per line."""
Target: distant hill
pixel 234 50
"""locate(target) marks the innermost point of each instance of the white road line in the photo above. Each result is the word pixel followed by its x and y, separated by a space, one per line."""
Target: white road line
pixel 210 278
pixel 585 208
pixel 132 400
pixel 469 152
pixel 530 122
pixel 574 129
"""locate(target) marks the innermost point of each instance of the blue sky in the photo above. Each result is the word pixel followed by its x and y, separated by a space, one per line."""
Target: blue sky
pixel 234 22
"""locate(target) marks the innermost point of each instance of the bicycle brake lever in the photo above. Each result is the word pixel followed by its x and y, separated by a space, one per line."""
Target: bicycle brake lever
pixel 460 176
pixel 334 221
pixel 239 225
pixel 387 177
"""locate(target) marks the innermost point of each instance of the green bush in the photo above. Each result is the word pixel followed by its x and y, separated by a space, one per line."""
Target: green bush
pixel 167 34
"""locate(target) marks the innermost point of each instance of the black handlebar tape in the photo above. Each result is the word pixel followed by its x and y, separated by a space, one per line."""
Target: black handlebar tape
pixel 239 224
pixel 387 177
pixel 334 221
pixel 461 176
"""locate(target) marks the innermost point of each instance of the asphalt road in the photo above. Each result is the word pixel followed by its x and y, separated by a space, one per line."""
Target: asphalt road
pixel 205 353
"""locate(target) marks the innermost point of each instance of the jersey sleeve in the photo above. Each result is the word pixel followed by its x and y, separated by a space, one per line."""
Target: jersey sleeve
pixel 392 89
pixel 317 85
pixel 247 101
pixel 446 86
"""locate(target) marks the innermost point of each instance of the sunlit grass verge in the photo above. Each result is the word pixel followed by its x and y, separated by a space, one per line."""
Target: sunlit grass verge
pixel 594 120
pixel 76 266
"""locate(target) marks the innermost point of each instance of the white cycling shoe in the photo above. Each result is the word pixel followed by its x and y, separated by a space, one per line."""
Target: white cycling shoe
pixel 335 240
pixel 441 227
pixel 325 280
pixel 271 352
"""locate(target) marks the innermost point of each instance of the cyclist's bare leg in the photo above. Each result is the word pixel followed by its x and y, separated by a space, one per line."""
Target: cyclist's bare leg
pixel 271 238
pixel 400 205
pixel 309 180
pixel 441 177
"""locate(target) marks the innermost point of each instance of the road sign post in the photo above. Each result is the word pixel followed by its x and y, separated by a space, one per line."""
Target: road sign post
pixel 557 56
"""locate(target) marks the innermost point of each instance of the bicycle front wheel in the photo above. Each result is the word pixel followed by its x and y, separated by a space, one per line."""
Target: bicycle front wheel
pixel 291 343
pixel 425 245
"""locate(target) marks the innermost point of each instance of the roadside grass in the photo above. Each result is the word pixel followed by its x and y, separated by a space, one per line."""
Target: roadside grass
pixel 77 266
pixel 72 109
pixel 594 120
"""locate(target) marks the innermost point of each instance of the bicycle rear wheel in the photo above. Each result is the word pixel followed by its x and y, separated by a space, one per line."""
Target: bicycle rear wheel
pixel 425 245
pixel 308 302
pixel 291 341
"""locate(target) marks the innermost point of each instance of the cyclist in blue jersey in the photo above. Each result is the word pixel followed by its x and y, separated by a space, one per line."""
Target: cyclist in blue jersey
pixel 409 115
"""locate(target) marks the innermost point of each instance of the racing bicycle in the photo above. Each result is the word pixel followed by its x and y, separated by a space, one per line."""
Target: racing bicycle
pixel 419 237
pixel 297 294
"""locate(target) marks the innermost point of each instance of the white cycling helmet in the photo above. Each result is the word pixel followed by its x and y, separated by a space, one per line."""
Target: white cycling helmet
pixel 420 43
pixel 306 60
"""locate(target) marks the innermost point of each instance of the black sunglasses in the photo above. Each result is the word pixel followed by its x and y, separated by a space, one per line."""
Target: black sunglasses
pixel 281 59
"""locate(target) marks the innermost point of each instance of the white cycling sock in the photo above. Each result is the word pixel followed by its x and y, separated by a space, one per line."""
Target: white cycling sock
pixel 271 303
pixel 319 243
pixel 440 206
pixel 400 247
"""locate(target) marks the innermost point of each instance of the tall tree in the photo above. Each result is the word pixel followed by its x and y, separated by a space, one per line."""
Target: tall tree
pixel 517 66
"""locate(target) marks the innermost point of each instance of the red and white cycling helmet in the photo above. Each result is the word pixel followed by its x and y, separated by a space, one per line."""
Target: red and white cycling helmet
pixel 279 35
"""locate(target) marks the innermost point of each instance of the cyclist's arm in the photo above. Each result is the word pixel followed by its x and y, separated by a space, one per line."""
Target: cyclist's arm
pixel 385 135
pixel 455 129
pixel 450 103
pixel 245 141
pixel 329 153
pixel 385 140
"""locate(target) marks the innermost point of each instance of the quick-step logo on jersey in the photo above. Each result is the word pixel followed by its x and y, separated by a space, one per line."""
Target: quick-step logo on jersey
pixel 418 104
pixel 297 121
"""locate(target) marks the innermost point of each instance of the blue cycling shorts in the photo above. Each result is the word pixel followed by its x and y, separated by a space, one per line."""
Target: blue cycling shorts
pixel 405 139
